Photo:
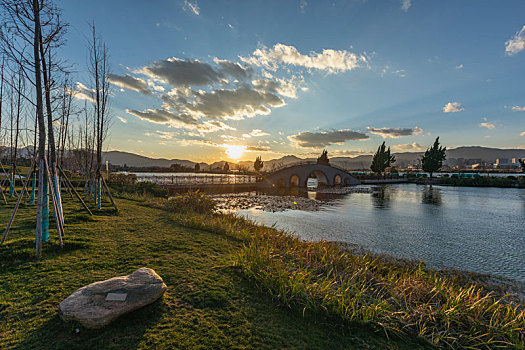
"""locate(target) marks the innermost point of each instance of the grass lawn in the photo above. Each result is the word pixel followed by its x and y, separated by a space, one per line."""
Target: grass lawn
pixel 208 304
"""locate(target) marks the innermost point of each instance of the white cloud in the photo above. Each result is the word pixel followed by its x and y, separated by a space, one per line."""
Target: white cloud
pixel 163 116
pixel 243 102
pixel 125 121
pixel 231 138
pixel 516 44
pixel 487 124
pixel 232 69
pixel 302 5
pixel 154 86
pixel 331 61
pixel 192 72
pixel 408 147
pixel 279 86
pixel 192 7
pixel 84 93
pixel 129 82
pixel 255 133
pixel 395 133
pixel 453 107
pixel 518 108
pixel 405 5
pixel 180 120
pixel 179 72
pixel 258 148
pixel 325 138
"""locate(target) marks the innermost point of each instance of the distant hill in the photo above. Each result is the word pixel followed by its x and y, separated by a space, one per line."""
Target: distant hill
pixel 485 154
pixel 135 160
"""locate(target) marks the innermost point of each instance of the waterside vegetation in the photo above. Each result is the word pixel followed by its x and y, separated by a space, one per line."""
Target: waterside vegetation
pixel 208 304
pixel 397 297
pixel 483 181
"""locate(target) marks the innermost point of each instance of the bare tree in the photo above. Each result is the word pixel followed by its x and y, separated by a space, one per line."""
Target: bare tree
pixel 2 69
pixel 22 37
pixel 99 69
pixel 41 125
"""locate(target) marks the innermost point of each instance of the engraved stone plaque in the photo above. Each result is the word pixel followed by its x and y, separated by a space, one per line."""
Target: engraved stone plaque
pixel 116 296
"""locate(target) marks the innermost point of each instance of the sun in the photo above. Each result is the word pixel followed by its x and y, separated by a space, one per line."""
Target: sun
pixel 235 151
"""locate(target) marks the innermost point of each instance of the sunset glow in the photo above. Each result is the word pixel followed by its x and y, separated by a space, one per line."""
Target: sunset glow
pixel 235 151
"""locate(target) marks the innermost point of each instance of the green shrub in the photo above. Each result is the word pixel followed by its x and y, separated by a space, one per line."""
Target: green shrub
pixel 481 181
pixel 190 202
pixel 140 188
pixel 122 179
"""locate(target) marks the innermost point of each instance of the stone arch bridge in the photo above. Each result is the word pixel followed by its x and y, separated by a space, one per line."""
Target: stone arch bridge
pixel 297 176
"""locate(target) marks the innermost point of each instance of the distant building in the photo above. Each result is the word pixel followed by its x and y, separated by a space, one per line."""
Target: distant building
pixel 503 163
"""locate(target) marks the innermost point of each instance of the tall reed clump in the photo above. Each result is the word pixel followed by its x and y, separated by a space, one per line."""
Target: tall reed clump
pixel 398 298
pixel 191 202
pixel 140 191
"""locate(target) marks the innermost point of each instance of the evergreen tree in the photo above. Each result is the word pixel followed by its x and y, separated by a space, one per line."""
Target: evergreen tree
pixel 258 164
pixel 323 158
pixel 382 159
pixel 197 167
pixel 226 167
pixel 522 163
pixel 433 159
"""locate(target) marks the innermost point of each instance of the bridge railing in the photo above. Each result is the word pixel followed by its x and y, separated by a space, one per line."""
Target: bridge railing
pixel 173 180
pixel 306 162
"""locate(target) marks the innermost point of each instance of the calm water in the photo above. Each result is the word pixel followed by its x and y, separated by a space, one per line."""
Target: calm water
pixel 474 229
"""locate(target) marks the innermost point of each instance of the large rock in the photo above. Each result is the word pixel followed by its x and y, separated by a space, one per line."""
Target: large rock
pixel 97 304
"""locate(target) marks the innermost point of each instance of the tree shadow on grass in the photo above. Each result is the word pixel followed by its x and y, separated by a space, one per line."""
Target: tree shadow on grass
pixel 105 212
pixel 124 333
pixel 79 217
pixel 22 250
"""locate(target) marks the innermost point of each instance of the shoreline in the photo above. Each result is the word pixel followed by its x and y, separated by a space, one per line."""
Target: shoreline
pixel 502 287
pixel 227 202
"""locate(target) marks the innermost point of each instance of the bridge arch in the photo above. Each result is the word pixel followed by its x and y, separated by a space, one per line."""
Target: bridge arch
pixel 295 180
pixel 338 180
pixel 321 177
pixel 297 176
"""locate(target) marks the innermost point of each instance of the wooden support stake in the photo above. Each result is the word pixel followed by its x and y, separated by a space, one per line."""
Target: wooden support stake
pixel 109 193
pixel 18 202
pixel 68 190
pixel 74 190
pixel 8 178
pixel 20 175
pixel 3 194
pixel 58 213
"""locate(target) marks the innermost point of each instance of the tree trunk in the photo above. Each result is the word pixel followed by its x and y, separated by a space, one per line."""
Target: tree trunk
pixel 41 126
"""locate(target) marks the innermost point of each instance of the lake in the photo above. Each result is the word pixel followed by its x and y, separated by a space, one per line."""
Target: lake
pixel 474 229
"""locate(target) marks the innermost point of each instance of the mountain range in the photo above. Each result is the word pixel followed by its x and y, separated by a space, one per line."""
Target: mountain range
pixel 468 154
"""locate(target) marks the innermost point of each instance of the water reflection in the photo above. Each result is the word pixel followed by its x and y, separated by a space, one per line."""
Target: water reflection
pixel 381 197
pixel 476 229
pixel 432 195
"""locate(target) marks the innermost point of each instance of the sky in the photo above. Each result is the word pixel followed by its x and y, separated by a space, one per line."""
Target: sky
pixel 209 80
